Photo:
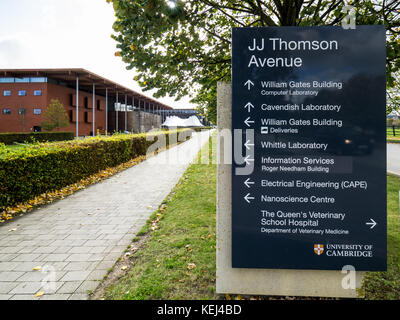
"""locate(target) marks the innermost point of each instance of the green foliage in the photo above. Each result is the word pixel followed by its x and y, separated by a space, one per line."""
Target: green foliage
pixel 386 285
pixel 35 169
pixel 55 116
pixel 186 49
pixel 22 137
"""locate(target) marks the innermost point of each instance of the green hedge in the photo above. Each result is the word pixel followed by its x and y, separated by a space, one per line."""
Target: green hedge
pixel 21 137
pixel 31 171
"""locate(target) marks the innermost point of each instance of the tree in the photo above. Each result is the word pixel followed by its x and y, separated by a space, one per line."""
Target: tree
pixel 55 116
pixel 184 47
pixel 393 95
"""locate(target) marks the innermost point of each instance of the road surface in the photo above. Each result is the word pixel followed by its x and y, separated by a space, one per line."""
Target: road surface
pixel 393 158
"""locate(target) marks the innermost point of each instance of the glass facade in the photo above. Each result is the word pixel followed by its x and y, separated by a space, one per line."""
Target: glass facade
pixel 23 80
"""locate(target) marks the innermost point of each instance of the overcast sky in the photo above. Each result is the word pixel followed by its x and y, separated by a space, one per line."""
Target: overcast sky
pixel 64 34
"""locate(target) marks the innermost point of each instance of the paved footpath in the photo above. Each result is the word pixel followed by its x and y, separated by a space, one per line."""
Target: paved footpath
pixel 77 240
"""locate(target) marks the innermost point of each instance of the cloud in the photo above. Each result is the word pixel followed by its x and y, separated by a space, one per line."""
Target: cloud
pixel 11 51
pixel 64 34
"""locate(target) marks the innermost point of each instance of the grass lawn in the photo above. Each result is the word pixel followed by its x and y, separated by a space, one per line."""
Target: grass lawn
pixel 391 139
pixel 386 285
pixel 175 258
pixel 389 131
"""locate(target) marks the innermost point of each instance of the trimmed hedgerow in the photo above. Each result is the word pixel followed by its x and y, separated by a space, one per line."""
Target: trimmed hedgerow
pixel 33 170
pixel 21 137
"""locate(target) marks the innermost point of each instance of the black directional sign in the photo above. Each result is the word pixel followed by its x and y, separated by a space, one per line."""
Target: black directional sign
pixel 309 168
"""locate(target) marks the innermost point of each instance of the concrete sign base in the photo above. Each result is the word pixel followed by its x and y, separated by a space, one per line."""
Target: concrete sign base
pixel 312 283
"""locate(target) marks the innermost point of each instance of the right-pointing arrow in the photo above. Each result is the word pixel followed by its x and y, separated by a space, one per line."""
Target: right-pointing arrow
pixel 372 223
pixel 248 197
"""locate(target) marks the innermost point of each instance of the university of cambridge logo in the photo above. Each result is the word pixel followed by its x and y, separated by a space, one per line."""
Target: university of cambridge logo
pixel 318 249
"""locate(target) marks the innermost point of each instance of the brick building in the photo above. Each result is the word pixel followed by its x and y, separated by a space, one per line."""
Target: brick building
pixel 93 103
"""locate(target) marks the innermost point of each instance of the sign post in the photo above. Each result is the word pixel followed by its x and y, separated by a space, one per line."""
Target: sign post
pixel 309 176
pixel 309 152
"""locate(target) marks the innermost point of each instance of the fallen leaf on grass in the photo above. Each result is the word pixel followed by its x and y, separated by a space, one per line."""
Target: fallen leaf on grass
pixel 191 266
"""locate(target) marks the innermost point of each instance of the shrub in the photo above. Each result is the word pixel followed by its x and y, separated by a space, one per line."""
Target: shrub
pixel 10 138
pixel 55 117
pixel 28 172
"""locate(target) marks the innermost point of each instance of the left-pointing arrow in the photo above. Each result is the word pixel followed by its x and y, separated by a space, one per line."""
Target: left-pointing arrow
pixel 248 197
pixel 248 160
pixel 248 122
pixel 248 144
pixel 248 183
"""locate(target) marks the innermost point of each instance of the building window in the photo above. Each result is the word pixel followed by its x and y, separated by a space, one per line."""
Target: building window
pixel 6 80
pixel 21 111
pixel 22 93
pixel 38 80
pixel 6 111
pixel 98 105
pixel 37 111
pixel 7 93
pixel 22 80
pixel 37 93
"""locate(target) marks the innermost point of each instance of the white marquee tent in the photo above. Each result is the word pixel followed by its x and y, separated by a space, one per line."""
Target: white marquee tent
pixel 179 122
